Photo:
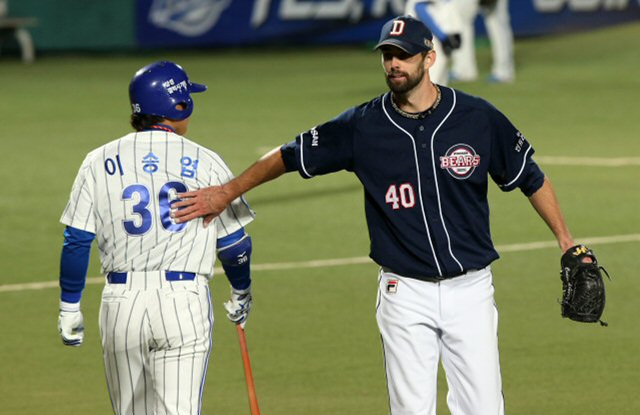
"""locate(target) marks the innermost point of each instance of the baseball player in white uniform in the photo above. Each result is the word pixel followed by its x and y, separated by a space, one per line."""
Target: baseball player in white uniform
pixel 443 19
pixel 498 24
pixel 156 316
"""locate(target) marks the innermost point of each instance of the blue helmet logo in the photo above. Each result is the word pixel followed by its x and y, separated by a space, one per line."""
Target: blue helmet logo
pixel 163 89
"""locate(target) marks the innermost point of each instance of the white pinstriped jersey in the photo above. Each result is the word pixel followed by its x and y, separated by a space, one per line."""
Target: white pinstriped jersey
pixel 123 192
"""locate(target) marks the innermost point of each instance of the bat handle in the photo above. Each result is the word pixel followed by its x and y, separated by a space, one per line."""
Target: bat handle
pixel 248 376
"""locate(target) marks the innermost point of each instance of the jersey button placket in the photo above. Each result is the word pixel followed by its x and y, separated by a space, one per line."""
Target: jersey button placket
pixel 423 143
pixel 430 195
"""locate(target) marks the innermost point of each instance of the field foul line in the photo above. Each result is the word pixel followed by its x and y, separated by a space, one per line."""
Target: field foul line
pixel 589 161
pixel 320 263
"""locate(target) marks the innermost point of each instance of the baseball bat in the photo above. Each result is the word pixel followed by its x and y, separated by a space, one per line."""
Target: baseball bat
pixel 248 376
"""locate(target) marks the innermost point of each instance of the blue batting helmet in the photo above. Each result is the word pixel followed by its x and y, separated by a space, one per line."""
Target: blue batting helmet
pixel 157 88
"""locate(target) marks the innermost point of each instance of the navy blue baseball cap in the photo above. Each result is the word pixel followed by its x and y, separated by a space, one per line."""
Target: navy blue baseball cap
pixel 407 33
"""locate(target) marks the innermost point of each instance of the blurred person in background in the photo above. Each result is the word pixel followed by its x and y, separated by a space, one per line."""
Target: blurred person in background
pixel 443 19
pixel 498 24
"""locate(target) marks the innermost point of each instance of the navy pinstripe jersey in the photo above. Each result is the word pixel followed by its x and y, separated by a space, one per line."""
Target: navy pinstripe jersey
pixel 425 181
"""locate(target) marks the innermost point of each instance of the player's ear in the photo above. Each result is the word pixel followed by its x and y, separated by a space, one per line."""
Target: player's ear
pixel 429 59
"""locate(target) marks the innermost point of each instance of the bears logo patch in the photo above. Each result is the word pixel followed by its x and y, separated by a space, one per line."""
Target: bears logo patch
pixel 460 161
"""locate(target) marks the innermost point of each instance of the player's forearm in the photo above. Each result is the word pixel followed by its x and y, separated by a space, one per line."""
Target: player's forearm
pixel 234 253
pixel 211 201
pixel 545 202
pixel 74 262
pixel 269 167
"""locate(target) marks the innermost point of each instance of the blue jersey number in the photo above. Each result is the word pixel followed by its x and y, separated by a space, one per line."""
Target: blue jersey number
pixel 139 209
pixel 145 215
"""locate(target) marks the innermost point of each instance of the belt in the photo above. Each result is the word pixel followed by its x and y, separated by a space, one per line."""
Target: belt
pixel 436 278
pixel 121 277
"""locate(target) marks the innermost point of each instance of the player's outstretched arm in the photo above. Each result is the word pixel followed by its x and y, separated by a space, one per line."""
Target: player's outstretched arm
pixel 545 202
pixel 211 201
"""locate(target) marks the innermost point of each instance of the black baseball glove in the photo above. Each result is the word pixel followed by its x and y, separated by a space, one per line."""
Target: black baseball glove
pixel 488 3
pixel 450 43
pixel 582 286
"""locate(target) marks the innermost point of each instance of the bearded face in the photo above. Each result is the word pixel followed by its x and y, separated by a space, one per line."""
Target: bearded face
pixel 400 82
pixel 403 72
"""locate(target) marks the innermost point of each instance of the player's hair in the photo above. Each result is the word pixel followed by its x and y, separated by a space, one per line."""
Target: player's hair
pixel 141 122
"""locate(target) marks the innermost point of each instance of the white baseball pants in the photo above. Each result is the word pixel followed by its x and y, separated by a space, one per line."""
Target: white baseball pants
pixel 498 24
pixel 464 66
pixel 156 339
pixel 454 321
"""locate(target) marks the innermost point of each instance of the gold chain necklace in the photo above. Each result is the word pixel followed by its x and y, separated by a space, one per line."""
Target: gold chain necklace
pixel 418 115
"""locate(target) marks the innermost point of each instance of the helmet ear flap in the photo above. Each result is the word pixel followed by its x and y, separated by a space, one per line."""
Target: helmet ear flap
pixel 183 108
pixel 158 89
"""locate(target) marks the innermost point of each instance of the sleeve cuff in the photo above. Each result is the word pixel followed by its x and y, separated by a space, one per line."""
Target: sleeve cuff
pixel 288 152
pixel 70 297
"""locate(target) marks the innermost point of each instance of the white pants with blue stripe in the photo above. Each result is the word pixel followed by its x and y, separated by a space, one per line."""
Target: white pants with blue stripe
pixel 156 339
pixel 454 321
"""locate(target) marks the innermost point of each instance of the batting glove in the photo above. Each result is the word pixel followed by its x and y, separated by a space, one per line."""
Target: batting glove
pixel 239 305
pixel 450 43
pixel 70 324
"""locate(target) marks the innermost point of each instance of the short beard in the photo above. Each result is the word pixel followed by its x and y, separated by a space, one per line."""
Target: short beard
pixel 408 85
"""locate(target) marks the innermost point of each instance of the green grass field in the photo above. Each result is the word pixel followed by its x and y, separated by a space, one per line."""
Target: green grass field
pixel 314 343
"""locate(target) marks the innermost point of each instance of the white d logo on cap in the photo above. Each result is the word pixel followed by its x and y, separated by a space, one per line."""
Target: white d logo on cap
pixel 398 28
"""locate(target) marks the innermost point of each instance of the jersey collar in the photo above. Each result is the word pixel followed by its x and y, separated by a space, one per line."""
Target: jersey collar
pixel 161 127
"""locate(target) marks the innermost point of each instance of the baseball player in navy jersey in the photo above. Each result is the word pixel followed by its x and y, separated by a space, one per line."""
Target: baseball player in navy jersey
pixel 156 316
pixel 424 154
